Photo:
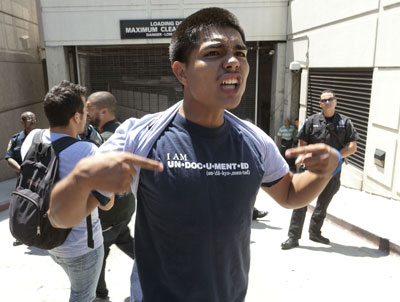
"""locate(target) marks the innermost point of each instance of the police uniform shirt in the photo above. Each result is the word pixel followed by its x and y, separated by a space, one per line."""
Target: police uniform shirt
pixel 14 146
pixel 315 130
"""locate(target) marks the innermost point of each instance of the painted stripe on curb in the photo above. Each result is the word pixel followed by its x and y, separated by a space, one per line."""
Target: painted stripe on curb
pixel 4 206
pixel 383 244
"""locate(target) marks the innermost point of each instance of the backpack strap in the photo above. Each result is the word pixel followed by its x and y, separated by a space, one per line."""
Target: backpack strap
pixel 90 241
pixel 63 143
pixel 37 137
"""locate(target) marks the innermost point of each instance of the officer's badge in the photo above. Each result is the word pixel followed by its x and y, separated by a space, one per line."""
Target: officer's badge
pixel 9 145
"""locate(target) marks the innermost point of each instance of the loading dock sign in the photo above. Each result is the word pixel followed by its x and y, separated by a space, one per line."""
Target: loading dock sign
pixel 148 29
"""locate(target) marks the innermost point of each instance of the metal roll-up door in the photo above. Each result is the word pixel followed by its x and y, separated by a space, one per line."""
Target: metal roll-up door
pixel 141 78
pixel 353 91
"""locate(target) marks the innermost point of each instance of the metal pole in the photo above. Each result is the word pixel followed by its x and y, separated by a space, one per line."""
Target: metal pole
pixel 78 69
pixel 256 92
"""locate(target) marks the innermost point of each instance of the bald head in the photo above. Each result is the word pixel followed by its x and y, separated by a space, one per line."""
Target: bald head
pixel 103 99
pixel 28 119
pixel 101 107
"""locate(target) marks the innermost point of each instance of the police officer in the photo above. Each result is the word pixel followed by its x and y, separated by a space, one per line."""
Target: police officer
pixel 101 107
pixel 333 129
pixel 13 154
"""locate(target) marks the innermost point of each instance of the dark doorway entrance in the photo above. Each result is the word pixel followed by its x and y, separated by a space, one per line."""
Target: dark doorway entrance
pixel 266 52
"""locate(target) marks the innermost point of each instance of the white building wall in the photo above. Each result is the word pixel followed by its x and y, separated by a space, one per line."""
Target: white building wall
pixel 362 33
pixel 95 22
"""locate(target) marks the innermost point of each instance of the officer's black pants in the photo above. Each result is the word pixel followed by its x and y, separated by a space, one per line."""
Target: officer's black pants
pixel 287 144
pixel 120 235
pixel 319 214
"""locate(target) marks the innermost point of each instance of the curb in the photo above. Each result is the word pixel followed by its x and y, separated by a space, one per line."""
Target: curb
pixel 4 205
pixel 383 244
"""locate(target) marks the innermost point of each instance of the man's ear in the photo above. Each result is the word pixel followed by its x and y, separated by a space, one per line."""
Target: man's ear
pixel 179 70
pixel 76 117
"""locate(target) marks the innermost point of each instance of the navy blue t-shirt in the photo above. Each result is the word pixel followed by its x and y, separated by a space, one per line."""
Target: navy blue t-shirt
pixel 194 219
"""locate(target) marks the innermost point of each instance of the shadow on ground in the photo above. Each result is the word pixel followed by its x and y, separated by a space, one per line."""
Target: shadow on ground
pixel 262 225
pixel 346 250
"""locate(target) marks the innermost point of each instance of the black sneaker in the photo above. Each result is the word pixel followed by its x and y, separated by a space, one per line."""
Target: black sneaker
pixel 102 296
pixel 259 214
pixel 290 243
pixel 17 243
pixel 320 239
pixel 101 299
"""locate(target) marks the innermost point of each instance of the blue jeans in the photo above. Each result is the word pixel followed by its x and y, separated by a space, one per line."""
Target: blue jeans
pixel 136 289
pixel 83 273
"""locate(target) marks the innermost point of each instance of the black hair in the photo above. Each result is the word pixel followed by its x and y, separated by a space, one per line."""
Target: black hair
pixel 328 91
pixel 186 36
pixel 62 101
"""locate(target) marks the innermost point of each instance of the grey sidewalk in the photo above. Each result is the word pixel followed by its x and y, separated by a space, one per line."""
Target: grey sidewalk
pixel 6 187
pixel 29 274
pixel 370 216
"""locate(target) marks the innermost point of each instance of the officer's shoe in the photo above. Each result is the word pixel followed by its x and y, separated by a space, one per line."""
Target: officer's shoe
pixel 17 243
pixel 259 214
pixel 319 238
pixel 290 243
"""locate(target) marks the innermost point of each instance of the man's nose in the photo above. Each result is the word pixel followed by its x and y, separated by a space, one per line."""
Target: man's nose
pixel 231 62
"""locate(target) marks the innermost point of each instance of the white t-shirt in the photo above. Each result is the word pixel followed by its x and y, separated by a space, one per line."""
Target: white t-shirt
pixel 76 243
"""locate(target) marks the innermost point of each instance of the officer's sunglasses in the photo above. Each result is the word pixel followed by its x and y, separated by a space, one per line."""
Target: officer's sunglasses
pixel 327 100
pixel 31 120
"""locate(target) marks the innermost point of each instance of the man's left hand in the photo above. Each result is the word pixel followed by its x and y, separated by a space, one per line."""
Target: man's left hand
pixel 320 159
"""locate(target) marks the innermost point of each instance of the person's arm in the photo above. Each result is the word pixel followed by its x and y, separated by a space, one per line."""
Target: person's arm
pixel 296 191
pixel 349 149
pixel 13 164
pixel 70 202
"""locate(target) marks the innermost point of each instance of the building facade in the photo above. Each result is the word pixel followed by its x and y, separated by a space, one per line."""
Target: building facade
pixel 296 49
pixel 22 80
pixel 352 47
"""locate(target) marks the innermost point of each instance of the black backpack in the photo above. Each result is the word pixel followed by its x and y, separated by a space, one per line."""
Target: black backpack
pixel 29 202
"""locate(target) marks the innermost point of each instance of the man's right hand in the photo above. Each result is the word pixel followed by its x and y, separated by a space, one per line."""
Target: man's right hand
pixel 112 171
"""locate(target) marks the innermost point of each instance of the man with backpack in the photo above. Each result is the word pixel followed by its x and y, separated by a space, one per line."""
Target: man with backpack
pixel 101 108
pixel 65 109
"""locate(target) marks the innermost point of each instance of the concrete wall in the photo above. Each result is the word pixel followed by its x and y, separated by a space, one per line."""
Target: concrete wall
pixel 96 22
pixel 21 76
pixel 361 33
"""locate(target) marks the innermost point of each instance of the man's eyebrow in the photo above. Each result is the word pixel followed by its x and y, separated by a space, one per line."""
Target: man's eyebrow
pixel 221 45
pixel 241 47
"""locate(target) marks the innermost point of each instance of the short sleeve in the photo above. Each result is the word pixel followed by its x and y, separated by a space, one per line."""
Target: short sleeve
pixel 303 133
pixel 10 149
pixel 351 132
pixel 275 166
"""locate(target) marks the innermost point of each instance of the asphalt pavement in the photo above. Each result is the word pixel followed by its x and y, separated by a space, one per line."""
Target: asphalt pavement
pixel 361 263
